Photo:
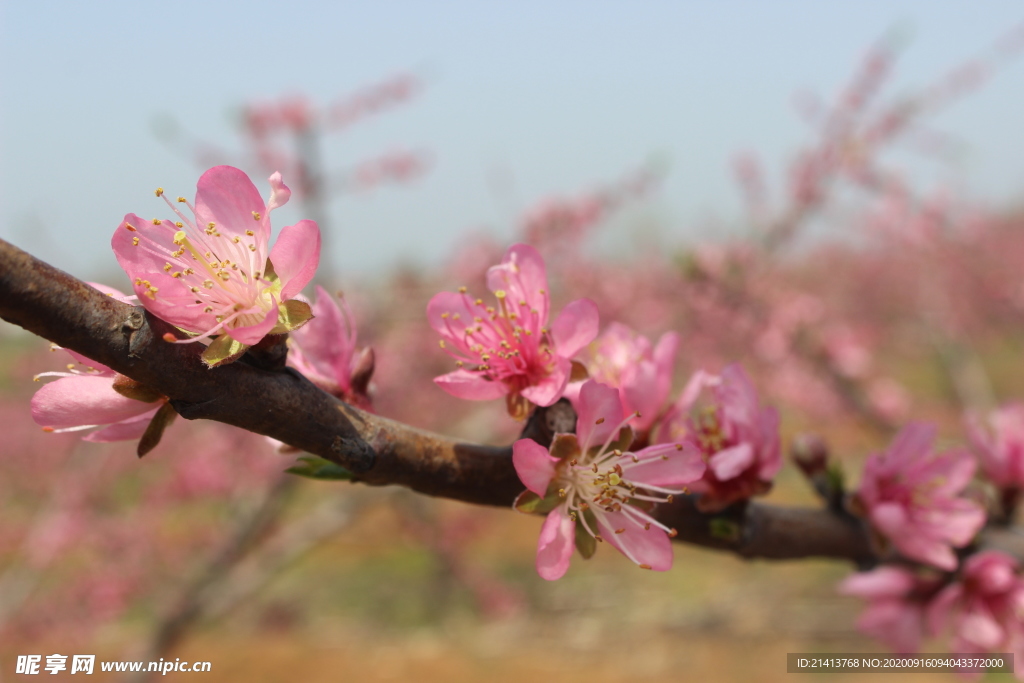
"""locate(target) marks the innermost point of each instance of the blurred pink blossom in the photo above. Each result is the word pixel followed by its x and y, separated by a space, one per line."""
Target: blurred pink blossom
pixel 509 348
pixel 642 373
pixel 1000 445
pixel 911 495
pixel 590 482
pixel 738 438
pixel 983 608
pixel 896 599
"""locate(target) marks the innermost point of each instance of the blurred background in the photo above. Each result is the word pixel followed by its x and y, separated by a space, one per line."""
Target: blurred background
pixel 829 194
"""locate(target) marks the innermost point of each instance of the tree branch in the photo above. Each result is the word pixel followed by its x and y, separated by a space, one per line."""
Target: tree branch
pixel 286 406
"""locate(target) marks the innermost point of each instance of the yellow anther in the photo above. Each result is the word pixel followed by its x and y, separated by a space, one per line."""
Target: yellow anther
pixel 135 241
pixel 250 233
pixel 252 247
pixel 159 192
pixel 441 342
pixel 129 227
pixel 157 221
pixel 182 200
pixel 208 309
pixel 256 215
pixel 208 284
pixel 179 224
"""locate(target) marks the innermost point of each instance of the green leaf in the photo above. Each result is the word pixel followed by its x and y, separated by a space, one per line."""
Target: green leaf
pixel 155 431
pixel 291 315
pixel 315 467
pixel 585 543
pixel 223 350
pixel 836 478
pixel 530 503
pixel 725 529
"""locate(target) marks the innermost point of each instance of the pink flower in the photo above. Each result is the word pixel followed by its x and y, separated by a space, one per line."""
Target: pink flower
pixel 324 350
pixel 738 438
pixel 509 349
pixel 1000 448
pixel 911 496
pixel 211 275
pixel 896 599
pixel 984 607
pixel 642 373
pixel 85 397
pixel 593 489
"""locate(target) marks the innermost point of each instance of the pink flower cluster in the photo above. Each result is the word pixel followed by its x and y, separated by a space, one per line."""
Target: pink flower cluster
pixel 911 496
pixel 738 438
pixel 981 609
pixel 508 349
pixel 594 489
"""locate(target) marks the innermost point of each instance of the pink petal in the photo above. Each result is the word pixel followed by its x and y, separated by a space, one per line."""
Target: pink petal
pixel 470 386
pixel 225 196
pixel 639 390
pixel 534 465
pixel 328 341
pixel 126 430
pixel 549 389
pixel 575 327
pixel 896 623
pixel 665 354
pixel 770 455
pixel 939 608
pixel 599 414
pixel 962 521
pixel 143 257
pixel 651 547
pixel 691 392
pixel 682 466
pixel 554 547
pixel 889 518
pixel 737 396
pixel 878 583
pixel 913 441
pixel 731 462
pixel 981 628
pixel 523 276
pixel 296 255
pixel 280 193
pixel 253 333
pixel 925 549
pixel 83 400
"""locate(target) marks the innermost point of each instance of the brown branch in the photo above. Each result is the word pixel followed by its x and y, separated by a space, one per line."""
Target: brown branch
pixel 287 407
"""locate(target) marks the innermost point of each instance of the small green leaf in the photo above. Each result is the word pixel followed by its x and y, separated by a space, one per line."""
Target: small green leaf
pixel 291 315
pixel 315 467
pixel 585 543
pixel 269 274
pixel 223 350
pixel 836 478
pixel 530 503
pixel 155 431
pixel 565 446
pixel 725 529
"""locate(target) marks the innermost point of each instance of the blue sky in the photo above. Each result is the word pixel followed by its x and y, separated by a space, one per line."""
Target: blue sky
pixel 556 96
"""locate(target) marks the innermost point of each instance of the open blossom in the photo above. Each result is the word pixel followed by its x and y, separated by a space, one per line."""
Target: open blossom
pixel 1000 448
pixel 210 275
pixel 983 609
pixel 641 372
pixel 737 437
pixel 508 349
pixel 91 396
pixel 910 494
pixel 897 598
pixel 324 350
pixel 593 489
